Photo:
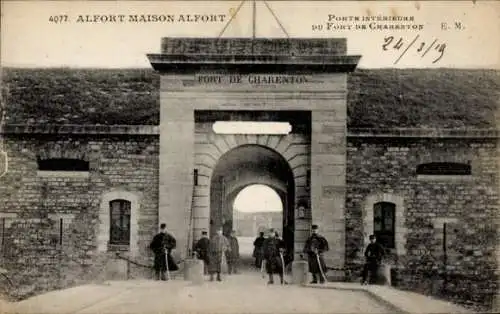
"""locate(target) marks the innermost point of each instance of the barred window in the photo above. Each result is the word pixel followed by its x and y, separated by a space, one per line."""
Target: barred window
pixel 119 232
pixel 383 223
pixel 444 168
pixel 62 164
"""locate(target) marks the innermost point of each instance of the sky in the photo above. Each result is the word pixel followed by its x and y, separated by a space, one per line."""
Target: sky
pixel 258 198
pixel 30 36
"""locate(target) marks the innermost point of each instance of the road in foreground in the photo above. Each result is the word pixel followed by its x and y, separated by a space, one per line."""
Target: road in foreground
pixel 242 293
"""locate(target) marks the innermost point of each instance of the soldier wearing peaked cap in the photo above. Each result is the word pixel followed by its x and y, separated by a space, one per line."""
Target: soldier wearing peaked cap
pixel 162 245
pixel 201 248
pixel 272 250
pixel 315 246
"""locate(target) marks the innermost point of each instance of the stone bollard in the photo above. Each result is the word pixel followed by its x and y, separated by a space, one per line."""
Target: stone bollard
pixel 496 302
pixel 116 269
pixel 384 275
pixel 193 271
pixel 300 271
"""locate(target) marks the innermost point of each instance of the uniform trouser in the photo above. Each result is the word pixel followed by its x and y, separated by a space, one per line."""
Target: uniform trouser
pixel 258 261
pixel 160 266
pixel 218 276
pixel 271 278
pixel 371 267
pixel 205 267
pixel 232 266
pixel 316 276
pixel 160 274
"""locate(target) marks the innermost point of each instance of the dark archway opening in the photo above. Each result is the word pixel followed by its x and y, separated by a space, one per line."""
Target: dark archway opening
pixel 248 165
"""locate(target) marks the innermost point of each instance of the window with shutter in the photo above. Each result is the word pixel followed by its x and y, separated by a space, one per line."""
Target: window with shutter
pixel 384 223
pixel 119 222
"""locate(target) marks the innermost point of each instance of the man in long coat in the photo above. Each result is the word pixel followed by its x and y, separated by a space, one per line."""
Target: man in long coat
pixel 162 245
pixel 218 247
pixel 257 250
pixel 288 238
pixel 315 246
pixel 374 253
pixel 201 248
pixel 273 249
pixel 233 254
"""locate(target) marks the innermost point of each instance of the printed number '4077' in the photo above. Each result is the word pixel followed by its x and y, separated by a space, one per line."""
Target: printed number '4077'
pixel 58 18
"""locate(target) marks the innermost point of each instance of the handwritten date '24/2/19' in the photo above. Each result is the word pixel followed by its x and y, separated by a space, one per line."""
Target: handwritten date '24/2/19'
pixel 421 47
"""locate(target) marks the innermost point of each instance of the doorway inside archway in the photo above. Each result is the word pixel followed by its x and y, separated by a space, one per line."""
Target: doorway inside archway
pixel 243 180
pixel 256 208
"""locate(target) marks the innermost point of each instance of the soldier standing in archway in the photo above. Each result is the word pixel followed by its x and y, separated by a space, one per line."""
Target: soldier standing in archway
pixel 257 251
pixel 217 248
pixel 233 254
pixel 315 246
pixel 272 250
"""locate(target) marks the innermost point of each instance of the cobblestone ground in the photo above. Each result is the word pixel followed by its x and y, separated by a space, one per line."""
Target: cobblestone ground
pixel 240 293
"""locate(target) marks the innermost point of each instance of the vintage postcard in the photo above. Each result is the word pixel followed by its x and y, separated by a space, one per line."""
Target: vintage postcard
pixel 249 156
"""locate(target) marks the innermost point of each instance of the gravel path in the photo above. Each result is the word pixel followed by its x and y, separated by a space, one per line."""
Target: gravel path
pixel 241 293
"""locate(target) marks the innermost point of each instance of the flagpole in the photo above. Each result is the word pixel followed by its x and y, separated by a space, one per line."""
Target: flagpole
pixel 254 18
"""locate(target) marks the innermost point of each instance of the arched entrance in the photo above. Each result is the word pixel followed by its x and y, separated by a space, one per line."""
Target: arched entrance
pixel 256 208
pixel 245 165
pixel 263 204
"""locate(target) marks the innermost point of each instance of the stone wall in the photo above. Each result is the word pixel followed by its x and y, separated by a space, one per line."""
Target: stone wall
pixel 37 253
pixel 34 203
pixel 385 170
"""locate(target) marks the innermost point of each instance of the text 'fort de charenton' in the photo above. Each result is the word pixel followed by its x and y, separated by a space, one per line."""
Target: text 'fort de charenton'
pixel 251 79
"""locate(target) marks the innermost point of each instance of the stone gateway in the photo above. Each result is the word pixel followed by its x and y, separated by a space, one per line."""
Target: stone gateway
pixel 277 92
pixel 81 201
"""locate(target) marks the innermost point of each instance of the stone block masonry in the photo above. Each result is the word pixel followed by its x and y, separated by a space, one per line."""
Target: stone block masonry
pixel 384 170
pixel 257 46
pixel 37 253
pixel 377 169
pixel 328 186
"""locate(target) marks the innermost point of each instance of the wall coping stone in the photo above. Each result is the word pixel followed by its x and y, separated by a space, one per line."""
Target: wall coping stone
pixel 84 129
pixel 154 130
pixel 424 133
pixel 181 54
pixel 252 63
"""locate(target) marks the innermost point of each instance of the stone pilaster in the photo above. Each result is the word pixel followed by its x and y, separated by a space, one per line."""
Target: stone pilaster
pixel 328 164
pixel 176 169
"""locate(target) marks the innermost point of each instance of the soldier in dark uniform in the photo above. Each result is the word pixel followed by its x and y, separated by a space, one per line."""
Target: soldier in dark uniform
pixel 257 251
pixel 271 249
pixel 233 254
pixel 373 254
pixel 315 246
pixel 162 245
pixel 288 238
pixel 201 248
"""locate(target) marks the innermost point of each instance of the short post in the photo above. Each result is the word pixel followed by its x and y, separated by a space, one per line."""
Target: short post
pixel 193 271
pixel 496 302
pixel 386 274
pixel 300 271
